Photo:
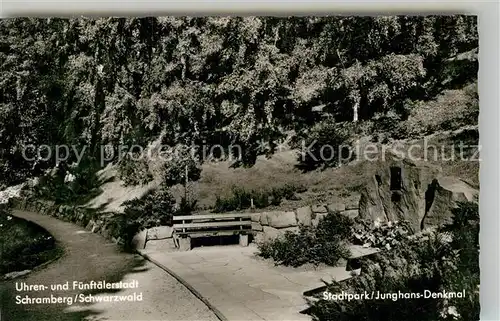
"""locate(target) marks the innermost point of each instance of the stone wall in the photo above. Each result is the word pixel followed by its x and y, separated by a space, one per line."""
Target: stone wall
pixel 265 225
pixel 87 218
pixel 269 225
pixel 100 223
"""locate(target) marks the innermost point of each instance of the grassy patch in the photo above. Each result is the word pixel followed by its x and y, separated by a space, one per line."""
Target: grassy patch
pixel 23 245
pixel 451 110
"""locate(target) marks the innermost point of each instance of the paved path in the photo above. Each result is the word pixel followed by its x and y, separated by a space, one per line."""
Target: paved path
pixel 88 257
pixel 242 286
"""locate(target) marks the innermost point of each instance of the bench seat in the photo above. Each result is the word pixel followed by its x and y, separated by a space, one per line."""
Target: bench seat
pixel 187 227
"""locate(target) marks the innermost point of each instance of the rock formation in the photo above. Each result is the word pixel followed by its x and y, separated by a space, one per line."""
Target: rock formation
pixel 412 191
pixel 443 195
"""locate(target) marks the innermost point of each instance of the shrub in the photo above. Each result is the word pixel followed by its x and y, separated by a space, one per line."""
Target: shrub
pixel 239 199
pixel 322 244
pixel 83 185
pixel 186 206
pixel 175 167
pixel 134 171
pixel 155 208
pixel 287 191
pixel 327 144
pixel 14 168
pixel 388 125
pixel 445 259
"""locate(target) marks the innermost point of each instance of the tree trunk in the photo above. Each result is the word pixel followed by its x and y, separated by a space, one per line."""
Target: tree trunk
pixel 183 62
pixel 186 184
pixel 355 111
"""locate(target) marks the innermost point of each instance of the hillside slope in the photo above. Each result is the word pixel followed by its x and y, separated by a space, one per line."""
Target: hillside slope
pixel 455 112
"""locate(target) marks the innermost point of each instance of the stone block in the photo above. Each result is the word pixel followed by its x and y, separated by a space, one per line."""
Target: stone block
pixel 447 193
pixel 281 219
pixel 263 218
pixel 257 227
pixel 90 225
pixel 270 233
pixel 105 232
pixel 160 232
pixel 255 217
pixel 335 207
pixel 259 237
pixel 319 209
pixel 397 190
pixel 304 215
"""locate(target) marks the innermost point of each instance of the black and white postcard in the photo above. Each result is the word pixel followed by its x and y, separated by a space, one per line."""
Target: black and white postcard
pixel 239 168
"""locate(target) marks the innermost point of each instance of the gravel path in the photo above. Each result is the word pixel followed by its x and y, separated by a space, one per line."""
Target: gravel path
pixel 87 257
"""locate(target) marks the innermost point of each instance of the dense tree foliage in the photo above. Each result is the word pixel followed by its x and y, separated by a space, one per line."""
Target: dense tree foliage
pixel 211 79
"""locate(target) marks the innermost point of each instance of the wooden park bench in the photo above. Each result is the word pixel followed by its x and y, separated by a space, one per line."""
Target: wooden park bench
pixel 207 225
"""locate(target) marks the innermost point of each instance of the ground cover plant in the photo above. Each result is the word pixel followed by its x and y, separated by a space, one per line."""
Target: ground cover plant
pixel 23 245
pixel 446 259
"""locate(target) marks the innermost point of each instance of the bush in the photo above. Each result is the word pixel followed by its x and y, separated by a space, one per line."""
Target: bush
pixel 83 185
pixel 155 208
pixel 322 244
pixel 388 125
pixel 134 171
pixel 242 199
pixel 186 206
pixel 175 167
pixel 443 260
pixel 14 168
pixel 327 144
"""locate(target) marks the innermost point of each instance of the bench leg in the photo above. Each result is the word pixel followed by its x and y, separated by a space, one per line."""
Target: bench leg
pixel 145 239
pixel 184 243
pixel 244 239
pixel 175 239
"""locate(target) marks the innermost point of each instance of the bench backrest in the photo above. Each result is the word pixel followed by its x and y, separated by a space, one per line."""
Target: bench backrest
pixel 188 223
